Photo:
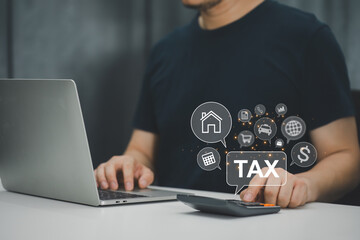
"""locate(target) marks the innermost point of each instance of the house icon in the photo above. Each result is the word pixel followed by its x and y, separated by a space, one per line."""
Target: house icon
pixel 210 120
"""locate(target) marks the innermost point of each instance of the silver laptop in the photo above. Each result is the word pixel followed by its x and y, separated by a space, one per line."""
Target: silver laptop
pixel 44 149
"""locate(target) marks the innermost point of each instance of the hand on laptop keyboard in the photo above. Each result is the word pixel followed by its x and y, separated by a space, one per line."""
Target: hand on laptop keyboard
pixel 127 167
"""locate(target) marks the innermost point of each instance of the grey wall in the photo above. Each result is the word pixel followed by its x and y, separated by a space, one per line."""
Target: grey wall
pixel 104 44
pixel 3 39
pixel 344 19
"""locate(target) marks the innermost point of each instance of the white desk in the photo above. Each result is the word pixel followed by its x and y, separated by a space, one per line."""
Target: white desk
pixel 27 217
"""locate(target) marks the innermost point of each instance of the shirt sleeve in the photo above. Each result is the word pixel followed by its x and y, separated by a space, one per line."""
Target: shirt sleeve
pixel 145 117
pixel 325 88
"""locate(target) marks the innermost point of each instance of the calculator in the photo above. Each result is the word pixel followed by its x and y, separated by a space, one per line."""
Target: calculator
pixel 208 159
pixel 230 207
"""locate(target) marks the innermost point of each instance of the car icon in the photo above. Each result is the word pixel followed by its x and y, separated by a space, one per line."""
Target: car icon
pixel 265 128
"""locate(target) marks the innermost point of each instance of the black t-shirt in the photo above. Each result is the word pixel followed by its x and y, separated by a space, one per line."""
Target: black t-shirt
pixel 274 54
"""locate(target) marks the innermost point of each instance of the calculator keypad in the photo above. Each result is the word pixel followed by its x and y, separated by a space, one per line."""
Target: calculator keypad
pixel 250 204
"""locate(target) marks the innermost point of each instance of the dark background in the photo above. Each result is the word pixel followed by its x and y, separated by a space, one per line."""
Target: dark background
pixel 103 45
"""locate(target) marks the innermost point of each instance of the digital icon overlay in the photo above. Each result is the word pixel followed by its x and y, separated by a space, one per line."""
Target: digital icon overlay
pixel 293 128
pixel 208 159
pixel 211 122
pixel 242 166
pixel 279 143
pixel 260 109
pixel 265 129
pixel 246 138
pixel 215 126
pixel 281 109
pixel 244 115
pixel 303 154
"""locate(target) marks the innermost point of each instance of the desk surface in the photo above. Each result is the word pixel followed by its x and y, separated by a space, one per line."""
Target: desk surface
pixel 28 217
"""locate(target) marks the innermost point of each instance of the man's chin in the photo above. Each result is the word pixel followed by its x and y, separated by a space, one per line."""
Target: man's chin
pixel 201 5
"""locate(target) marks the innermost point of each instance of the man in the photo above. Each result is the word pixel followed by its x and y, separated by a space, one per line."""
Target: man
pixel 241 53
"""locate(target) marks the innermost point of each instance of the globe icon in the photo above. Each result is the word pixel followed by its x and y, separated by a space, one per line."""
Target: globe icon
pixel 293 128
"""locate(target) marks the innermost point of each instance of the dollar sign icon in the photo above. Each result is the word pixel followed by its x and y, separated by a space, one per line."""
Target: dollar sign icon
pixel 305 156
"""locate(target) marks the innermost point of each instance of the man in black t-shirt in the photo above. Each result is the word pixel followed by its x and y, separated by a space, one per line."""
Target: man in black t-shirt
pixel 242 53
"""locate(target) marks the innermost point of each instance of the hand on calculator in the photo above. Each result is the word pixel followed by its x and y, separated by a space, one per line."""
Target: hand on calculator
pixel 292 194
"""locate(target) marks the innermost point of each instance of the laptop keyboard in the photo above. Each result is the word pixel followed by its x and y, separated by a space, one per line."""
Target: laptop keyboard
pixel 109 195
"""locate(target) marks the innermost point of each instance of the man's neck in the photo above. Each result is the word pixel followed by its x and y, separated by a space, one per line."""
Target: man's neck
pixel 226 12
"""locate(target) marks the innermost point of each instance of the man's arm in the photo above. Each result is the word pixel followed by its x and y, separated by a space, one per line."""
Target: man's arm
pixel 142 147
pixel 136 163
pixel 337 170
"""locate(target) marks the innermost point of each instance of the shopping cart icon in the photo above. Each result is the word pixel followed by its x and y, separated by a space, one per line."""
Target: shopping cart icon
pixel 246 138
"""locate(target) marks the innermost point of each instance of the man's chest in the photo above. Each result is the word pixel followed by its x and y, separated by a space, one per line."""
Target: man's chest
pixel 237 79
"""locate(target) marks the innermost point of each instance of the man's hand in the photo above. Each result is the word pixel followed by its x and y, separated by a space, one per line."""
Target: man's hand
pixel 294 192
pixel 336 170
pixel 123 169
pixel 133 165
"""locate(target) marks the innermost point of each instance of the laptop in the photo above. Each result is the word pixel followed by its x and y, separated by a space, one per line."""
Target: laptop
pixel 44 149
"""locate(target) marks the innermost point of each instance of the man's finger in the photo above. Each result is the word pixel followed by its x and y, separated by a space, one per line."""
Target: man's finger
pixel 128 174
pixel 272 189
pixel 254 186
pixel 242 194
pixel 260 196
pixel 146 177
pixel 100 177
pixel 298 196
pixel 285 193
pixel 110 174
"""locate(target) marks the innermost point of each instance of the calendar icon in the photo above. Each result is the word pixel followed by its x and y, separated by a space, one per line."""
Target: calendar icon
pixel 208 158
